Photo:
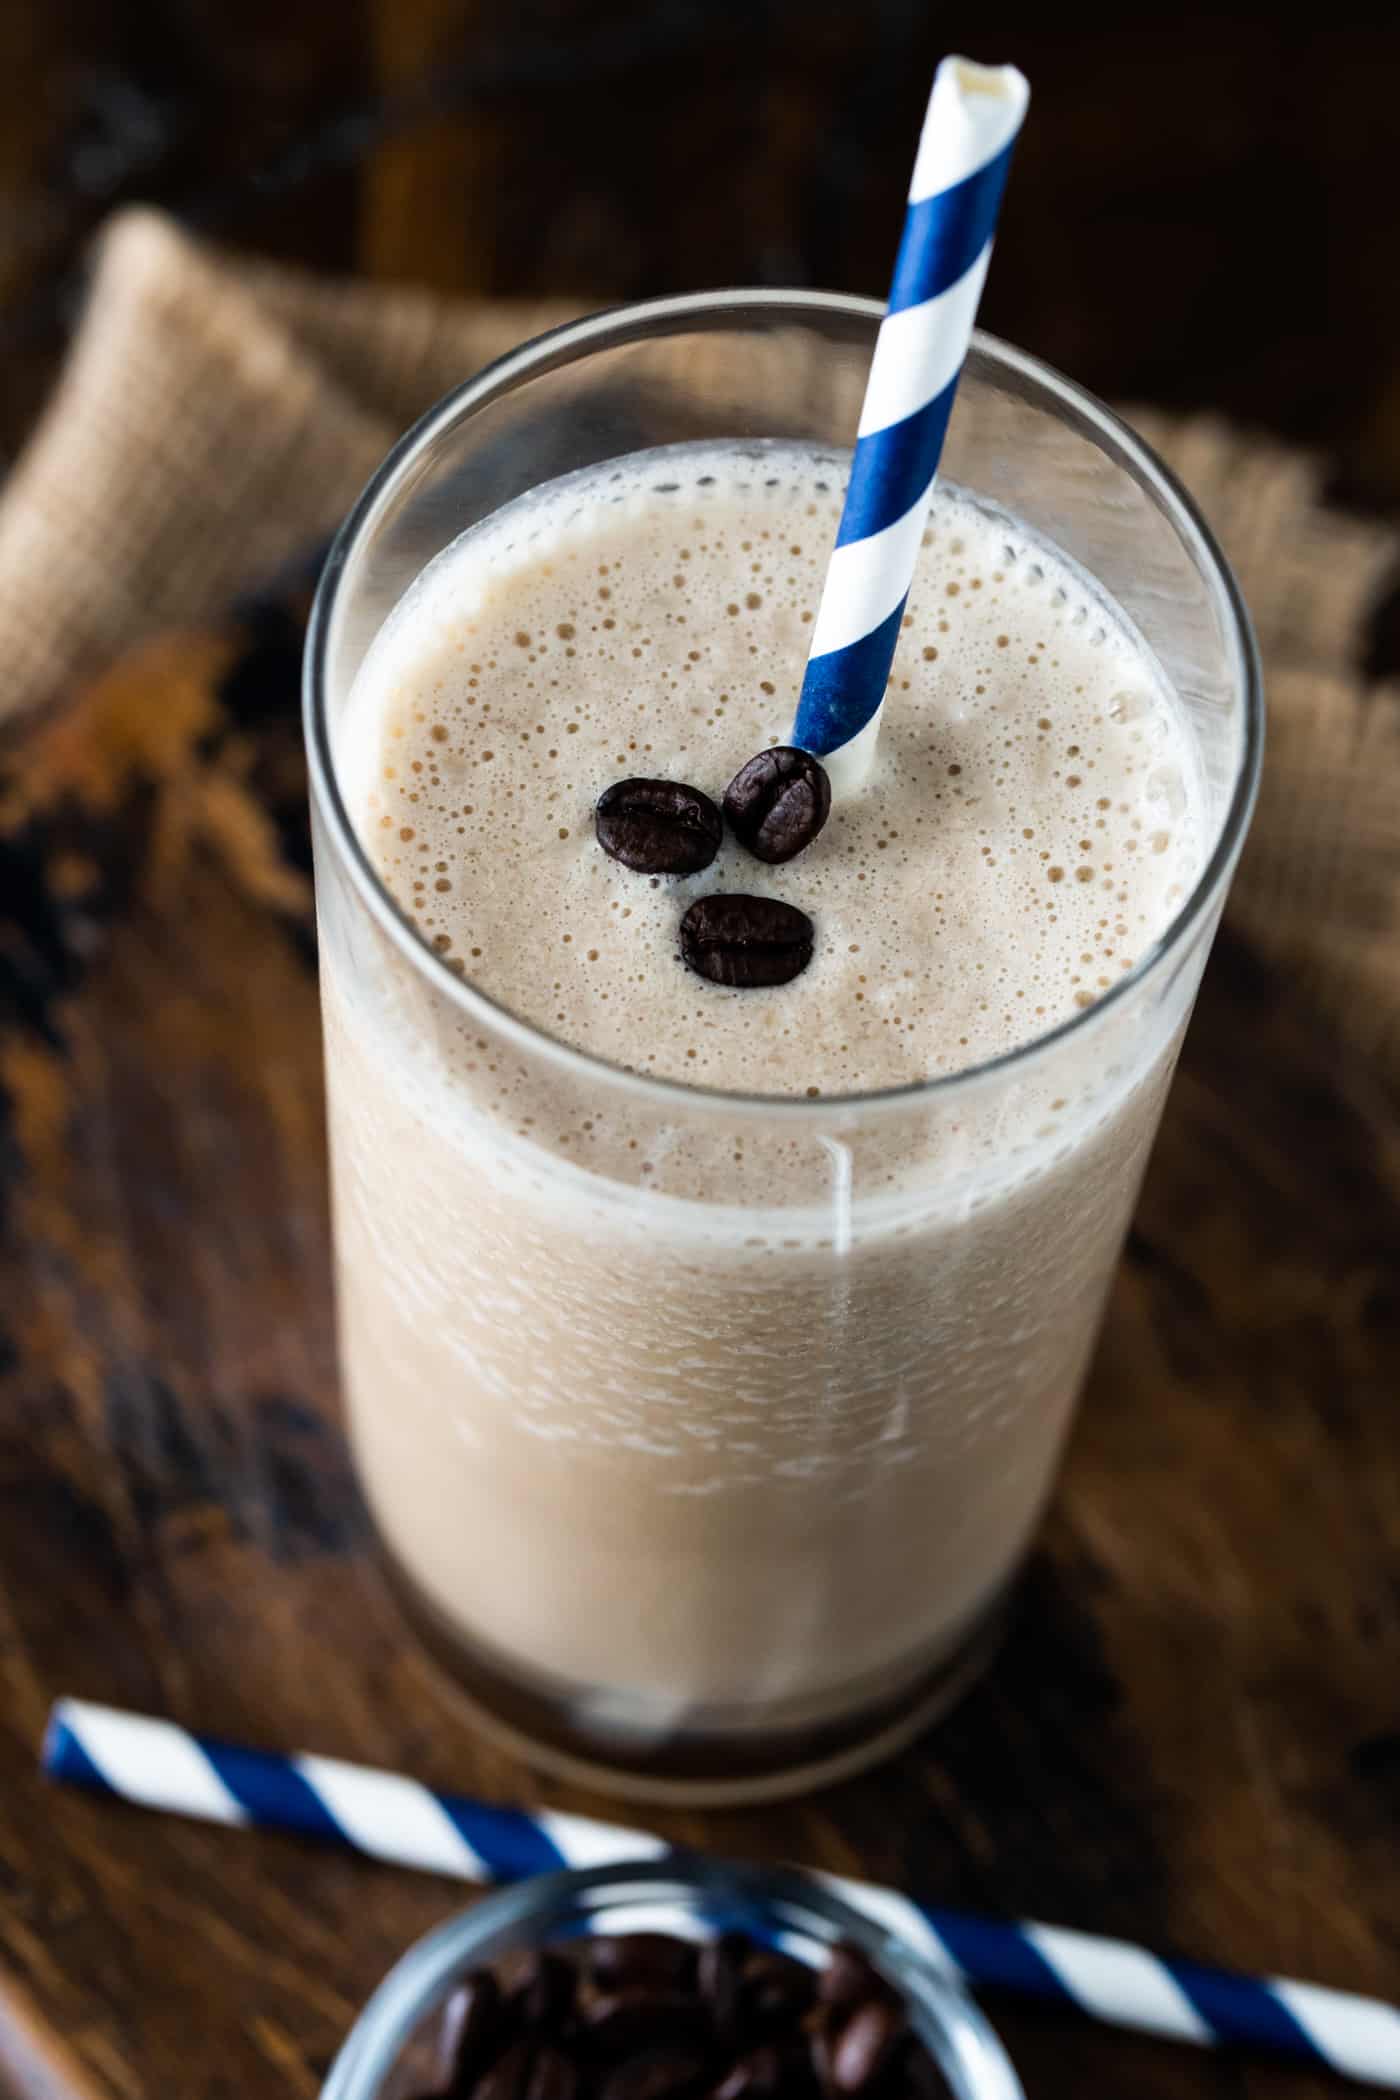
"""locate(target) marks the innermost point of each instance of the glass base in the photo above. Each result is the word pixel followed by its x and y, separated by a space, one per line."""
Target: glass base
pixel 695 1766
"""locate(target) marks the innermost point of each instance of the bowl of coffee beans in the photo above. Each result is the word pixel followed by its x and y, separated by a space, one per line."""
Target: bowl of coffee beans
pixel 669 1980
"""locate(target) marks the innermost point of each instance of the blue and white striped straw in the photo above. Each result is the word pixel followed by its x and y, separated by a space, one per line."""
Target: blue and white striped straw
pixel 400 1821
pixel 974 115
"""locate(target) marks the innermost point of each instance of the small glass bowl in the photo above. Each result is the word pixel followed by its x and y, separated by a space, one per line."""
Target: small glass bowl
pixel 394 2049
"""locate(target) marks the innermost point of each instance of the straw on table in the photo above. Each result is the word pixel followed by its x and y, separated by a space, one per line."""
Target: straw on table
pixel 391 1818
pixel 974 116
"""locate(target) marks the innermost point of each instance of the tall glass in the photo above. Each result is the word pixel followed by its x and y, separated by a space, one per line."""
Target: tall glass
pixel 721 1498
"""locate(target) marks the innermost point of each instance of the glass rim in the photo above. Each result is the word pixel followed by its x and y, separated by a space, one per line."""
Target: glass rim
pixel 966 2046
pixel 613 328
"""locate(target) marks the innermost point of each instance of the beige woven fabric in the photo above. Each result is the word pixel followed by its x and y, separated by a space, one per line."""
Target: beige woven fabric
pixel 217 416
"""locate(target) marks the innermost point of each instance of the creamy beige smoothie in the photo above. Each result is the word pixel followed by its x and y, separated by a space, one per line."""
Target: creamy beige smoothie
pixel 685 1418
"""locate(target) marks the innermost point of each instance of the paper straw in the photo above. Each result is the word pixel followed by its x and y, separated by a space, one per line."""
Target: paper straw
pixel 398 1820
pixel 974 115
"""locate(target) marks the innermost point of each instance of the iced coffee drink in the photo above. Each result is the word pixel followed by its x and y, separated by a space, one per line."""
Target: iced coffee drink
pixel 709 1346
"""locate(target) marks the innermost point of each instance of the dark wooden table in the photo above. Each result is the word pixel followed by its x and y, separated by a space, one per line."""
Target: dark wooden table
pixel 1193 1737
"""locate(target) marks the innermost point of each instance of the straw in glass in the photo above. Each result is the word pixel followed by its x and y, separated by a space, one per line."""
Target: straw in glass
pixel 974 116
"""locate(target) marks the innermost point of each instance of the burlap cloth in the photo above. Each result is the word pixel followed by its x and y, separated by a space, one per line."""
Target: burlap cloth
pixel 217 416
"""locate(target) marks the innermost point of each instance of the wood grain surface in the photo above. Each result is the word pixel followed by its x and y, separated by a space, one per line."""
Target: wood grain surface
pixel 1192 1737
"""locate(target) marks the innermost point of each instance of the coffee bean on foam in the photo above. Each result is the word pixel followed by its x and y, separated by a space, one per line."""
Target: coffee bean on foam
pixel 1029 827
pixel 658 827
pixel 778 801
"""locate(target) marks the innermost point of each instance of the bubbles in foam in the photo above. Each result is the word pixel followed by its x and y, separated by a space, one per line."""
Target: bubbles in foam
pixel 1130 705
pixel 1167 790
pixel 653 617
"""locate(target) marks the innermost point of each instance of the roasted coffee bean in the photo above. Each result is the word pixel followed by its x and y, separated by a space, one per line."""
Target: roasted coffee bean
pixel 471 2022
pixel 778 802
pixel 756 2076
pixel 864 2045
pixel 657 2074
pixel 821 2026
pixel 544 1991
pixel 637 1960
pixel 746 941
pixel 619 2023
pixel 848 1978
pixel 509 2076
pixel 719 1975
pixel 554 2076
pixel 777 1990
pixel 658 827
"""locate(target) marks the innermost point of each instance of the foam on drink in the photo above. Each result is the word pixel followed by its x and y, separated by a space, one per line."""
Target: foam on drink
pixel 1030 826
